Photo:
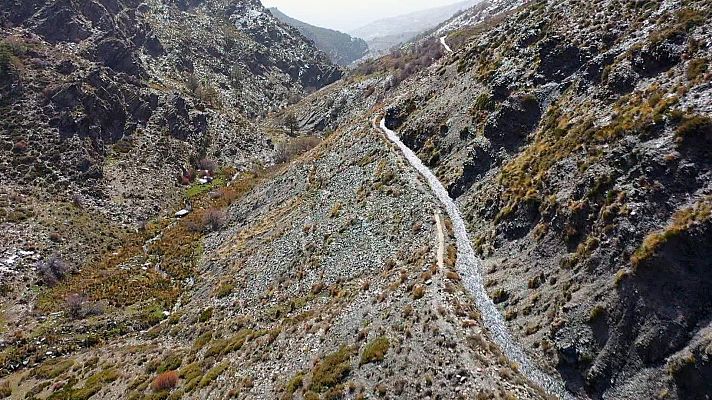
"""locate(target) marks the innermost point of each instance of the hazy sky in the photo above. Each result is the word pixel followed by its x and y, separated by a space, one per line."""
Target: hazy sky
pixel 346 15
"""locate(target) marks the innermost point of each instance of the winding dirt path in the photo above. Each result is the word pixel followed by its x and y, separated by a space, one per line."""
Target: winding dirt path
pixel 468 266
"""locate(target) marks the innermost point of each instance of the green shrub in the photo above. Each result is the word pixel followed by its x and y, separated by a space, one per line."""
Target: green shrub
pixel 213 374
pixel 693 128
pixel 331 370
pixel 92 386
pixel 375 351
pixel 206 315
pixel 54 368
pixel 225 289
pixel 695 68
pixel 295 383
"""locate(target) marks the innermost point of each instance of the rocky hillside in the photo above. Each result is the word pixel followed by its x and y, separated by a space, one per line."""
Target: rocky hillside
pixel 340 47
pixel 577 149
pixel 113 119
pixel 384 34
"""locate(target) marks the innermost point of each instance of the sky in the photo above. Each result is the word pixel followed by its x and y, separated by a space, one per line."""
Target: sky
pixel 347 15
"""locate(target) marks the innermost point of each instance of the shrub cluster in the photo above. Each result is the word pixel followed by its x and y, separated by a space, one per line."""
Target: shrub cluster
pixel 293 148
pixel 53 270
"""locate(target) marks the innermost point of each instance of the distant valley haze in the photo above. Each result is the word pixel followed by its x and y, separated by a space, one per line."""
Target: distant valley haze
pixel 349 15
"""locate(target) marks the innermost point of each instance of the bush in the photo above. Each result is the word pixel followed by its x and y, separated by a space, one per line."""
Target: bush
pixel 375 351
pixel 292 149
pixel 5 390
pixel 165 381
pixel 74 304
pixel 418 292
pixel 695 126
pixel 53 270
pixel 695 68
pixel 205 315
pixel 207 165
pixel 331 370
pixel 213 220
pixel 225 289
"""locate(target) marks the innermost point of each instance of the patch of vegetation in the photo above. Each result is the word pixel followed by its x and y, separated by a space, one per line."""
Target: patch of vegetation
pixel 165 381
pixel 92 386
pixel 213 374
pixel 331 370
pixel 682 221
pixel 596 313
pixel 6 57
pixel 694 130
pixel 523 179
pixel 151 315
pixel 375 351
pixel 226 346
pixel 5 390
pixel 295 383
pixel 171 362
pixel 53 368
pixel 202 340
pixel 696 68
pixel 199 189
pixel 225 289
pixel 205 315
pixel 294 147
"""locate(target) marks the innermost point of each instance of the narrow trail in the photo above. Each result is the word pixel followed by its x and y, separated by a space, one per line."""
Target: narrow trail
pixel 468 266
pixel 445 45
pixel 441 241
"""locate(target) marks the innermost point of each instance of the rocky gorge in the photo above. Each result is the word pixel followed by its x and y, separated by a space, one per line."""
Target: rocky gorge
pixel 313 260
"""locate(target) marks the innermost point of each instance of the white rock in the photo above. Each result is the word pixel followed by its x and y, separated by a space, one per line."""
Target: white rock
pixel 182 213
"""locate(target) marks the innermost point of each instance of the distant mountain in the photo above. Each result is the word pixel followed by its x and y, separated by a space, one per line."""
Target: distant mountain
pixel 385 33
pixel 342 48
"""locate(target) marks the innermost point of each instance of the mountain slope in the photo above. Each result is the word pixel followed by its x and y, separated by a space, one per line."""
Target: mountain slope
pixel 386 33
pixel 340 47
pixel 111 118
pixel 576 156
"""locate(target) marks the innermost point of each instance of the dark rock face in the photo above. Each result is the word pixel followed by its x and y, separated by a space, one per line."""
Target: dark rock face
pixel 117 55
pixel 479 161
pixel 512 123
pixel 106 111
pixel 658 57
pixel 179 121
pixel 559 59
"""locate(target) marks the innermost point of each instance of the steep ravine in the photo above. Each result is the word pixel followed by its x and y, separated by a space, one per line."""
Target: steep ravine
pixel 469 268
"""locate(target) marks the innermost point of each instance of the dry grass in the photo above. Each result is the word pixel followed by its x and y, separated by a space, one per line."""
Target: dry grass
pixel 165 381
pixel 682 221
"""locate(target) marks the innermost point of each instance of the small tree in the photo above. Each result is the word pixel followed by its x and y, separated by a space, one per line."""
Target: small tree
pixel 291 123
